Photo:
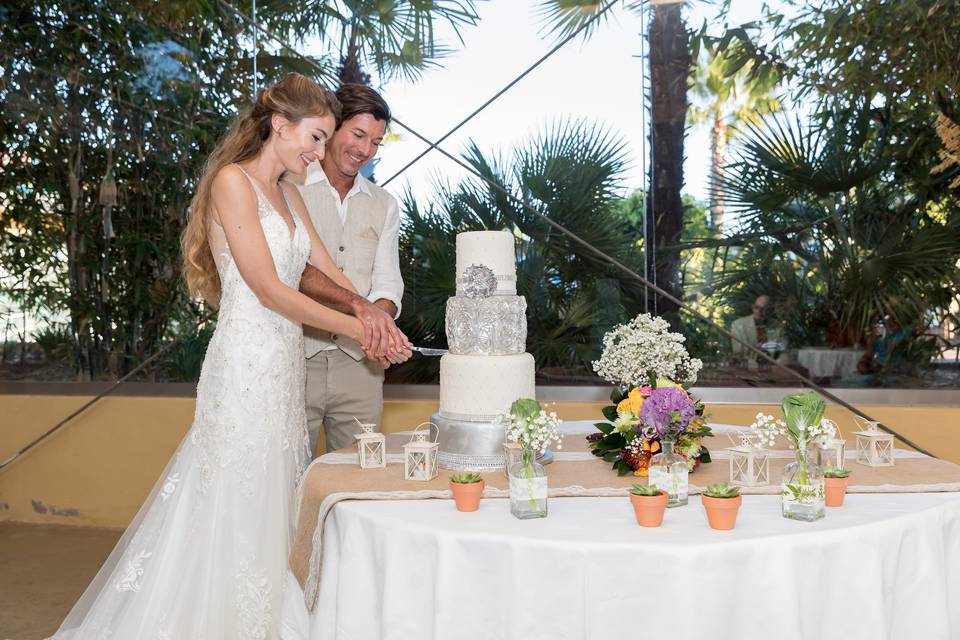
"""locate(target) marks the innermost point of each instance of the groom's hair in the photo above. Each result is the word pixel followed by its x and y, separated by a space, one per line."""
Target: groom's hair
pixel 359 98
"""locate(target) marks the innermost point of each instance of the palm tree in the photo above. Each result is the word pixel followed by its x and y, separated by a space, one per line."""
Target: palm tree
pixel 729 96
pixel 570 172
pixel 670 63
pixel 395 37
pixel 832 220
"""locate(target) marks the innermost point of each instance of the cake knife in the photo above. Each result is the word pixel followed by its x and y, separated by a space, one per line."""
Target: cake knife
pixel 426 351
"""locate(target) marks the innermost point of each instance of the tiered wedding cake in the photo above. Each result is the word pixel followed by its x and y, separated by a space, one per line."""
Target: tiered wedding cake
pixel 487 367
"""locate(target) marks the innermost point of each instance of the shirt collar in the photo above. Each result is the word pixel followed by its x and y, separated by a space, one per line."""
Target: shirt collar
pixel 315 175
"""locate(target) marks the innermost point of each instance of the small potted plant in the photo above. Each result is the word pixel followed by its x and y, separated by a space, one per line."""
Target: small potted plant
pixel 649 502
pixel 466 488
pixel 722 502
pixel 835 486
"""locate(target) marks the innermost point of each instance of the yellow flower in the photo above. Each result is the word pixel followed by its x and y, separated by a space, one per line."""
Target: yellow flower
pixel 632 403
pixel 642 472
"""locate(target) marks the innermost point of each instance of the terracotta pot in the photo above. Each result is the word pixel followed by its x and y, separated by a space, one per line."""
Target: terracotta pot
pixel 835 490
pixel 721 512
pixel 649 509
pixel 467 496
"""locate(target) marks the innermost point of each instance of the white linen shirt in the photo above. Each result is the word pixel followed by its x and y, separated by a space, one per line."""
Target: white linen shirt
pixel 385 278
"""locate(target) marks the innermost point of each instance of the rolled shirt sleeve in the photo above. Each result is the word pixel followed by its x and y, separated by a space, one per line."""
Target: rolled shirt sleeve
pixel 386 282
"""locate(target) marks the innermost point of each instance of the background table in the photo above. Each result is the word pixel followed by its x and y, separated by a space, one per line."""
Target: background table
pixel 824 362
pixel 882 566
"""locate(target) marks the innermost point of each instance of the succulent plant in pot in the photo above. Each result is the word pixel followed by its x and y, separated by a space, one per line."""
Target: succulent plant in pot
pixel 649 502
pixel 467 489
pixel 835 485
pixel 722 502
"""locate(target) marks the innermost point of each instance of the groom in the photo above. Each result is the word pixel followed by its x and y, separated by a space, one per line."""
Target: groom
pixel 359 223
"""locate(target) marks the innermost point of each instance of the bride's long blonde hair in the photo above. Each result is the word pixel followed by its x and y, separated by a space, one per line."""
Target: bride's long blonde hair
pixel 295 97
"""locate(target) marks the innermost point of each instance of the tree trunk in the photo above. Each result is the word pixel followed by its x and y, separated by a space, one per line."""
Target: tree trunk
pixel 350 70
pixel 670 63
pixel 718 150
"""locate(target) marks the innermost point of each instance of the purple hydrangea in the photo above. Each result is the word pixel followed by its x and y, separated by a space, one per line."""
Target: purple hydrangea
pixel 669 410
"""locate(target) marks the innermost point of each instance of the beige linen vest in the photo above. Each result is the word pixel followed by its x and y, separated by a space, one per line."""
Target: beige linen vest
pixel 352 244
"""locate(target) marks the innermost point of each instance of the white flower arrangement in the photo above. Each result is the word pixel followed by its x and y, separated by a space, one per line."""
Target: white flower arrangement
pixel 536 432
pixel 643 347
pixel 767 428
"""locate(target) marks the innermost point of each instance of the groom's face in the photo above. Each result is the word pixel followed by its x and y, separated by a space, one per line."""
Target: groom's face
pixel 354 144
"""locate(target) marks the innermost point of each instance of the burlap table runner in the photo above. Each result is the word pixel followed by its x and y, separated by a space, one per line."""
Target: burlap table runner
pixel 335 477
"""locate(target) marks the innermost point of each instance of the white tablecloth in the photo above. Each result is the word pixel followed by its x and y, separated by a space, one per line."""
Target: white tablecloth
pixel 883 566
pixel 829 362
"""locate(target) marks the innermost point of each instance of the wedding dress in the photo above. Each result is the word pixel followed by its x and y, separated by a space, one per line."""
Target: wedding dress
pixel 206 556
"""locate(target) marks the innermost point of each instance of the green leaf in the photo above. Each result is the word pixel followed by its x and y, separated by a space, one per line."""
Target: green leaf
pixel 705 455
pixel 622 468
pixel 605 427
pixel 617 395
pixel 525 408
pixel 612 456
pixel 610 413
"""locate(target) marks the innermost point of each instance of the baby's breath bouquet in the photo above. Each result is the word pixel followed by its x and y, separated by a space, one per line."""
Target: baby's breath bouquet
pixel 534 429
pixel 640 358
pixel 531 426
pixel 644 349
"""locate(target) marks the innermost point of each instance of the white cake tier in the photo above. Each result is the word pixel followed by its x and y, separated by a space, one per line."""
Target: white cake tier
pixel 493 249
pixel 477 388
pixel 487 326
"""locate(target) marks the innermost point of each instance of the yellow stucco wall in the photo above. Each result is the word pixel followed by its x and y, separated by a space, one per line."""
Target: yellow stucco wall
pixel 97 470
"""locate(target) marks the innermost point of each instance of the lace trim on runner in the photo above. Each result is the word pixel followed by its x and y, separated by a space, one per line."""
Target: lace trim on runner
pixel 461 462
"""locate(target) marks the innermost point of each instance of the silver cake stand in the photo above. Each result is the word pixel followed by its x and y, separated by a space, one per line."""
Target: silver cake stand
pixel 467 445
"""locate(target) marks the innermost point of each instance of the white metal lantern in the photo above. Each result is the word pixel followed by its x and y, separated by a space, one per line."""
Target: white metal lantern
pixel 749 466
pixel 874 447
pixel 830 452
pixel 830 447
pixel 420 454
pixel 371 447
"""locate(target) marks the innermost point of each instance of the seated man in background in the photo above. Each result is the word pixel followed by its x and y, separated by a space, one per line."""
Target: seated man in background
pixel 755 330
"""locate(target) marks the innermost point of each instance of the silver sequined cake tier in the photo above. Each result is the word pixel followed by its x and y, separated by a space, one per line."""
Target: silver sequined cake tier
pixel 496 325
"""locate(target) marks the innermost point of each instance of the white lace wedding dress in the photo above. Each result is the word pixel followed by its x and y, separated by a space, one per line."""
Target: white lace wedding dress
pixel 206 556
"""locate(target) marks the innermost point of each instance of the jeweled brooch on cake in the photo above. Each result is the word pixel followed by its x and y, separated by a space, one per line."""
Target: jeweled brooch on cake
pixel 477 281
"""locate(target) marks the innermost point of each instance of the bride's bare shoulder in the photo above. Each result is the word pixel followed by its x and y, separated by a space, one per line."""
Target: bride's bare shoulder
pixel 231 179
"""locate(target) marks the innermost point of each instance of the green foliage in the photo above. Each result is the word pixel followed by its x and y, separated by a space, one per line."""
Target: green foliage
pixel 525 408
pixel 802 410
pixel 834 472
pixel 395 37
pixel 645 490
pixel 905 52
pixel 184 360
pixel 571 172
pixel 842 225
pixel 465 478
pixel 109 111
pixel 100 100
pixel 722 490
pixel 57 341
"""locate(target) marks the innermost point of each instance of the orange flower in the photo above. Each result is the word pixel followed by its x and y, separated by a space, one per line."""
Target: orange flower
pixel 634 401
pixel 652 447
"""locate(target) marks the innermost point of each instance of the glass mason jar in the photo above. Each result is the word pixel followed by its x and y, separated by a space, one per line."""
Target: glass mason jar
pixel 801 492
pixel 669 472
pixel 528 487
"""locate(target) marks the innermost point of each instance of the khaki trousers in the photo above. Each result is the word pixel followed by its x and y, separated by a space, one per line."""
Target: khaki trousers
pixel 340 388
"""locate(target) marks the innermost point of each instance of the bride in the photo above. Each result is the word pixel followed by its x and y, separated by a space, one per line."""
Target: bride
pixel 205 558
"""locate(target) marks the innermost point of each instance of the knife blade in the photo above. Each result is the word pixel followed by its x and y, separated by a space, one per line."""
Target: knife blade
pixel 426 351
